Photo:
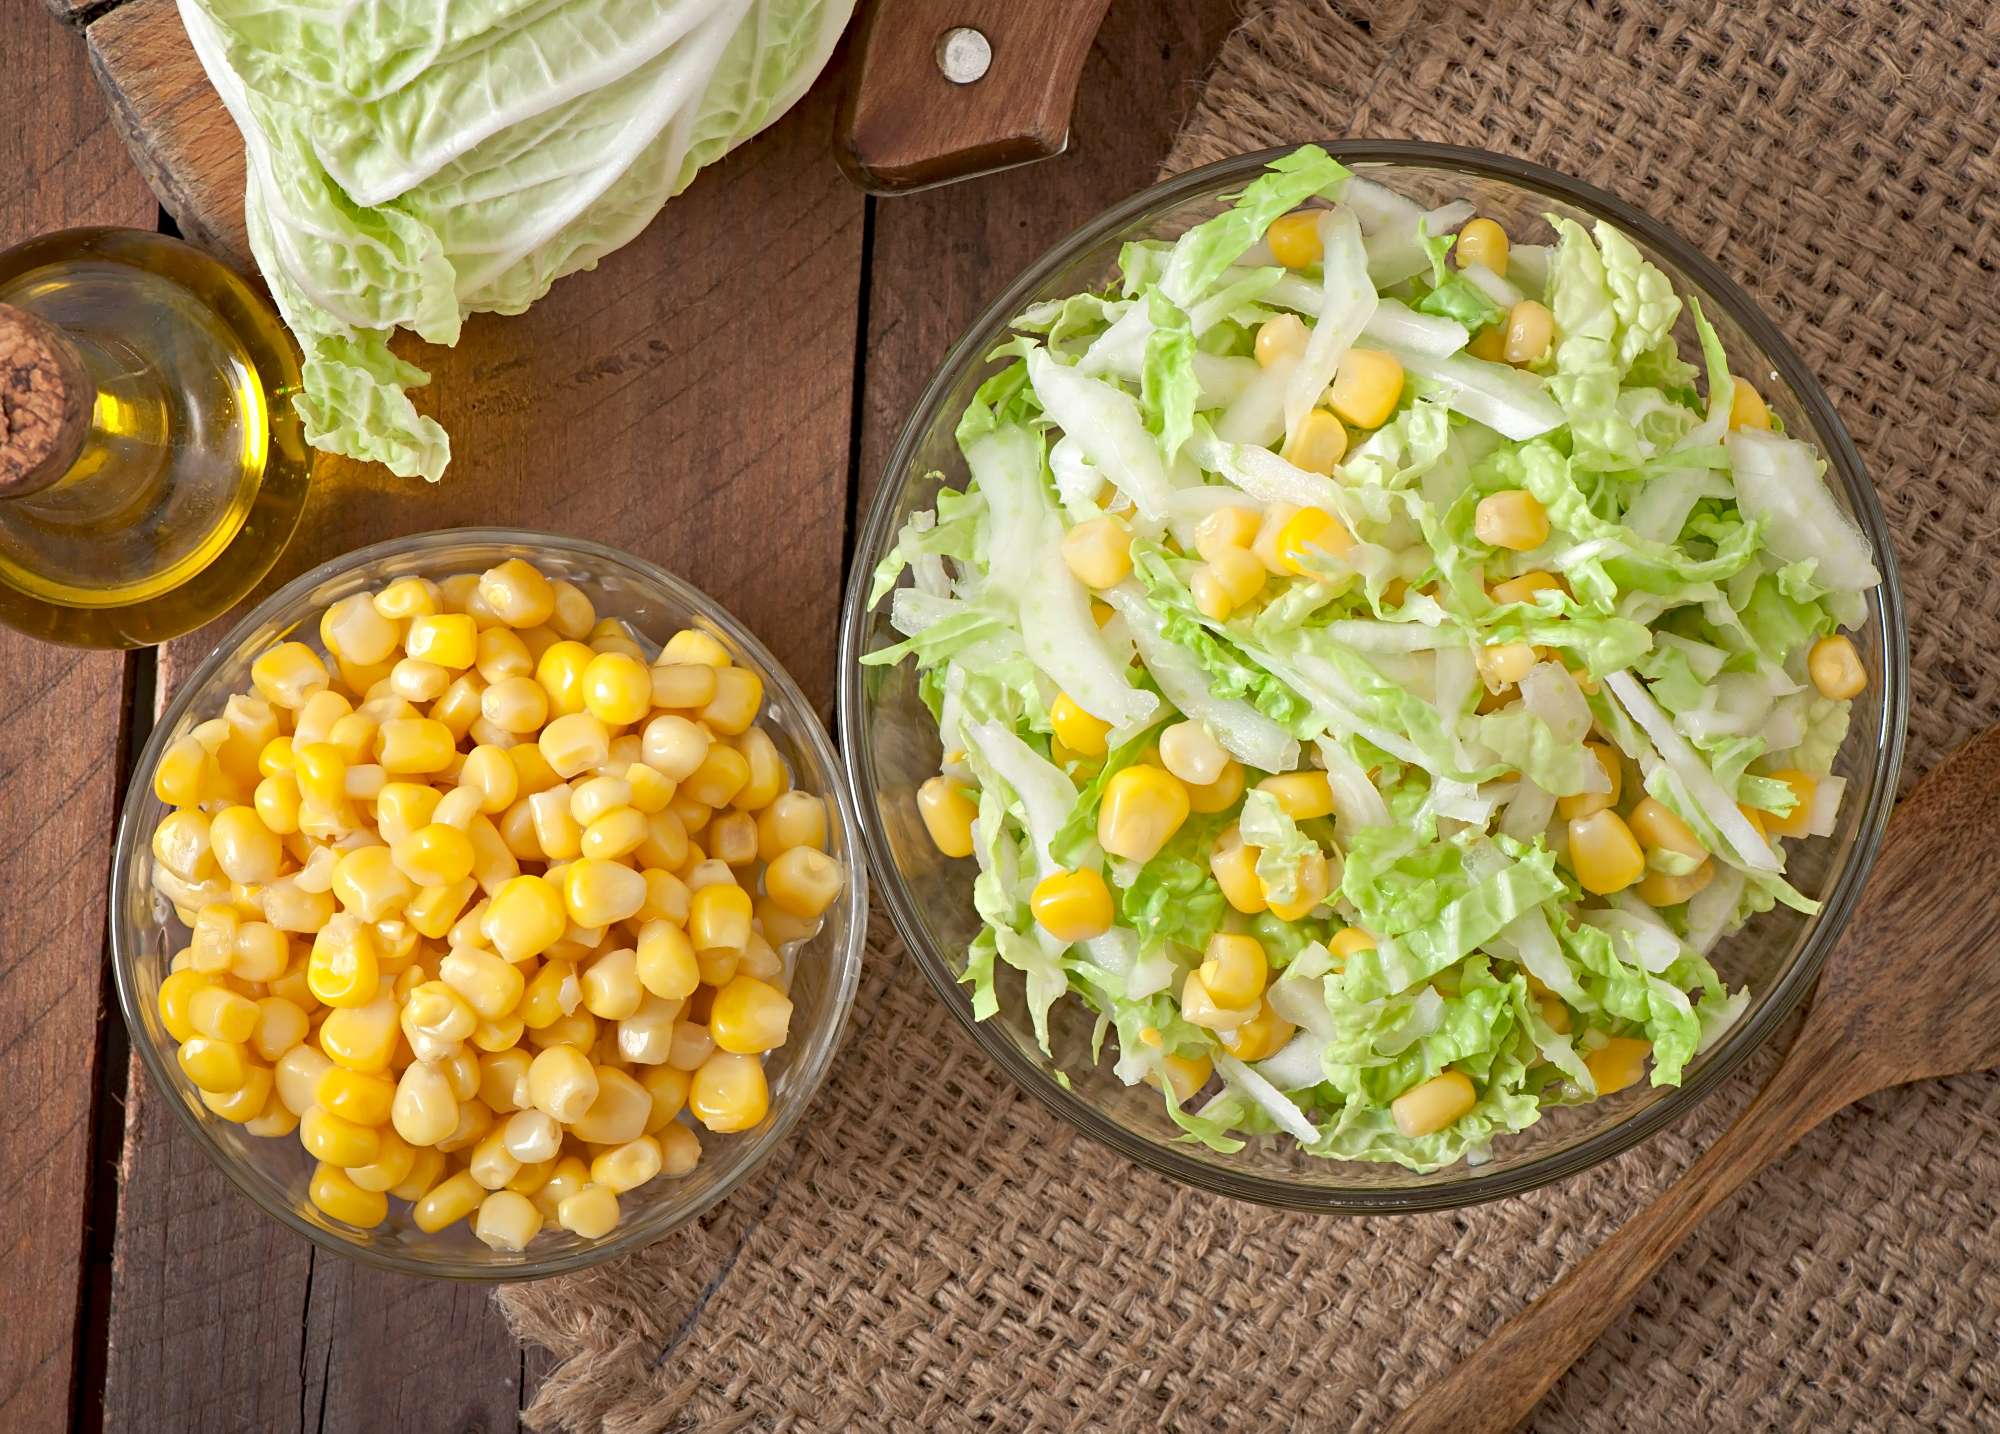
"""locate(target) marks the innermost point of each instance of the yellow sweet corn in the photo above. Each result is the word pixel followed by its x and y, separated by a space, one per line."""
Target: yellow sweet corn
pixel 1143 806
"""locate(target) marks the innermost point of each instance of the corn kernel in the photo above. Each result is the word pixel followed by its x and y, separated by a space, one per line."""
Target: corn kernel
pixel 597 892
pixel 562 1083
pixel 1099 552
pixel 334 1194
pixel 1481 241
pixel 1531 328
pixel 739 692
pixel 390 1168
pixel 1835 668
pixel 1234 866
pixel 356 1096
pixel 1618 1063
pixel 491 986
pixel 1319 444
pixel 295 1076
pixel 336 1141
pixel 1583 804
pixel 281 1026
pixel 448 1202
pixel 490 1162
pixel 686 685
pixel 1313 880
pixel 1222 793
pixel 1260 1037
pixel 1308 538
pixel 1225 528
pixel 749 1017
pixel 1233 970
pixel 1367 387
pixel 719 918
pixel 1524 588
pixel 618 834
pixel 288 674
pixel 1301 795
pixel 805 880
pixel 616 689
pixel 272 1121
pixel 665 960
pixel 618 1114
pixel 1805 788
pixel 1429 1107
pixel 1282 336
pixel 412 745
pixel 343 968
pixel 728 1093
pixel 215 1066
pixel 525 917
pixel 1659 888
pixel 674 746
pixel 502 654
pixel 1072 906
pixel 244 848
pixel 1503 664
pixel 1200 1008
pixel 591 1213
pixel 362 1038
pixel 1076 729
pixel 474 1120
pixel 1143 807
pixel 517 593
pixel 793 819
pixel 221 1014
pixel 1511 518
pixel 1294 238
pixel 1747 408
pixel 1604 853
pixel 449 640
pixel 667 897
pixel 1656 827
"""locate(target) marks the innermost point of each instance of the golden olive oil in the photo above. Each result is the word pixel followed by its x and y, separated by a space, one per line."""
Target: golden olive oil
pixel 186 470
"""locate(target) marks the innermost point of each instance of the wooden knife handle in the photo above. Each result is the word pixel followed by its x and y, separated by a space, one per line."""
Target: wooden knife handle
pixel 906 123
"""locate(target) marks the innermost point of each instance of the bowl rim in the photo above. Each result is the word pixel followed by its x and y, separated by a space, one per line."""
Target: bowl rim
pixel 818 1055
pixel 1736 1046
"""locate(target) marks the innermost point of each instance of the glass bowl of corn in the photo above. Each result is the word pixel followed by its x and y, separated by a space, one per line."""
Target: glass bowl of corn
pixel 487 904
pixel 889 736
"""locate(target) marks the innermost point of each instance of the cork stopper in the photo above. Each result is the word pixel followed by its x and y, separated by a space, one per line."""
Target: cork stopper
pixel 45 402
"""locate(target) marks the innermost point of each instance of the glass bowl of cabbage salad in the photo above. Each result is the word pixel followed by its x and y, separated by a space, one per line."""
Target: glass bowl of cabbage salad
pixel 1373 678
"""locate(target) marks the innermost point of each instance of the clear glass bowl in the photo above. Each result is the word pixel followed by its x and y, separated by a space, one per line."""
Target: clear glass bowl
pixel 274 1172
pixel 890 745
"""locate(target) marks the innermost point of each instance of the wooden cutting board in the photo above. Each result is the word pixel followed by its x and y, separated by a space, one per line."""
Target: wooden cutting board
pixel 904 124
pixel 180 135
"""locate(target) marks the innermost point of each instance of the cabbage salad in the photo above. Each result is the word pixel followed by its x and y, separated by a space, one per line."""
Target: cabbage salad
pixel 1373 668
pixel 414 161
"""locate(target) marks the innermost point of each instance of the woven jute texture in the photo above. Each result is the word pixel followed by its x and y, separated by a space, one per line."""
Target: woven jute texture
pixel 934 1251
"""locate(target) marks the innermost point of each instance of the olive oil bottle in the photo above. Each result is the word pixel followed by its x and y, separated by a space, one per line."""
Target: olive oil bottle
pixel 151 464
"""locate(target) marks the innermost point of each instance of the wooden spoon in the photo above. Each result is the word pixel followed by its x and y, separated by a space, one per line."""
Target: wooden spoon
pixel 1911 991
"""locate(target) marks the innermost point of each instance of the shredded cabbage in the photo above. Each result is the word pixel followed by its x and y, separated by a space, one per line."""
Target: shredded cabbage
pixel 1359 699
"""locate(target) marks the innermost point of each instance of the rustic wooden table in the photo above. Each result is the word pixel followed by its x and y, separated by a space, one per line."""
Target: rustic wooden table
pixel 718 397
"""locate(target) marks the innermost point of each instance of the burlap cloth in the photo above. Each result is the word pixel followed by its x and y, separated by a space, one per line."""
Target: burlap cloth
pixel 936 1252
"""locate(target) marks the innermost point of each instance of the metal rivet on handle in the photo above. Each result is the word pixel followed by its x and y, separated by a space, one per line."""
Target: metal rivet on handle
pixel 964 55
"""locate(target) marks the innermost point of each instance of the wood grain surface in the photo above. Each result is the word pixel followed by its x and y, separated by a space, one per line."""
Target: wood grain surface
pixel 717 397
pixel 1911 992
pixel 60 721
